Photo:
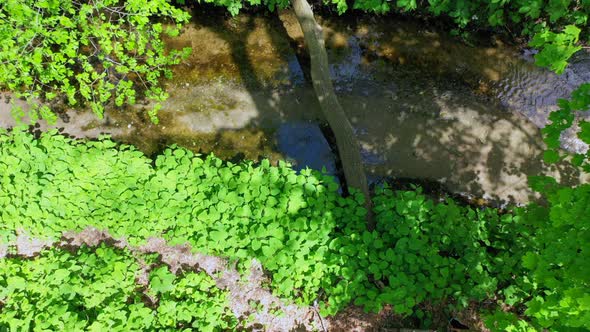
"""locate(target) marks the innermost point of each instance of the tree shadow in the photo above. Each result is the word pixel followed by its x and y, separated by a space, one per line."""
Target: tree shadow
pixel 281 111
pixel 410 95
pixel 411 122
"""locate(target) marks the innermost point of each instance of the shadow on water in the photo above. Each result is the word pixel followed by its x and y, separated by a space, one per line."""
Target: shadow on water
pixel 311 142
pixel 423 105
pixel 411 123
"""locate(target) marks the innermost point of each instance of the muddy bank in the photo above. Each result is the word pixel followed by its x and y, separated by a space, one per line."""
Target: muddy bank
pixel 423 104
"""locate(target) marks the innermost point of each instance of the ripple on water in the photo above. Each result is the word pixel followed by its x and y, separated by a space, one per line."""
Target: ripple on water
pixel 423 104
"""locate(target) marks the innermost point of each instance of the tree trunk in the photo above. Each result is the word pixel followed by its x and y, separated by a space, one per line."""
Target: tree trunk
pixel 348 146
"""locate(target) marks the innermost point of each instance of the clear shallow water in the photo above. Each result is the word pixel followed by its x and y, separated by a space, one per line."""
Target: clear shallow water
pixel 423 104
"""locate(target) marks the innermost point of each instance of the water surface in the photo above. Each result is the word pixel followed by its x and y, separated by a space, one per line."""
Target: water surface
pixel 423 105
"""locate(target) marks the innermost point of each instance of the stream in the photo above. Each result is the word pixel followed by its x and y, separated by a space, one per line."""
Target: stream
pixel 423 104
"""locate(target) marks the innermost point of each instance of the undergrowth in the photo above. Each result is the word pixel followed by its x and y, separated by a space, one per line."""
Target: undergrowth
pixel 311 241
pixel 95 289
pixel 92 53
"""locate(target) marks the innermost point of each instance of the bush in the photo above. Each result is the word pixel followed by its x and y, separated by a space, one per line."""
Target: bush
pixel 284 219
pixel 95 290
pixel 558 281
pixel 423 252
pixel 93 52
pixel 305 234
pixel 553 288
pixel 312 242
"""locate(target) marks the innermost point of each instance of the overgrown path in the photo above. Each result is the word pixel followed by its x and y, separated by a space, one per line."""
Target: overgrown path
pixel 243 290
pixel 270 313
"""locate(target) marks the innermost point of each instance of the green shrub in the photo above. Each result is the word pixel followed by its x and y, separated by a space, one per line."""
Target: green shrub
pixel 284 219
pixel 553 288
pixel 556 290
pixel 305 234
pixel 558 283
pixel 94 289
pixel 423 252
pixel 93 52
pixel 311 241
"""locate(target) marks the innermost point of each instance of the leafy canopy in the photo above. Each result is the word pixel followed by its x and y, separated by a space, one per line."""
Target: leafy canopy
pixel 87 52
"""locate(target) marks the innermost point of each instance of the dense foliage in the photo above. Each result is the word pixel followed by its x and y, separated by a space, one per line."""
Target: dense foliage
pixel 553 287
pixel 531 16
pixel 526 16
pixel 311 240
pixel 562 120
pixel 297 225
pixel 559 265
pixel 95 289
pixel 556 288
pixel 91 52
pixel 285 219
pixel 423 252
pixel 559 281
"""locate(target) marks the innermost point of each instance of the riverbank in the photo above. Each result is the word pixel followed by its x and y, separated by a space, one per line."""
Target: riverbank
pixel 423 104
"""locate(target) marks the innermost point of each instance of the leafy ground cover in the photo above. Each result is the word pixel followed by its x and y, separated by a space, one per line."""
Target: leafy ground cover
pixel 95 289
pixel 89 52
pixel 311 241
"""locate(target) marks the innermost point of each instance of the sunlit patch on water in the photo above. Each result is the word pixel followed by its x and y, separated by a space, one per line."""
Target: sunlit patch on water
pixel 423 104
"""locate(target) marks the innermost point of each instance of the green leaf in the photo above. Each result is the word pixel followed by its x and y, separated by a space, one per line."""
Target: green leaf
pixel 584 133
pixel 218 236
pixel 551 156
pixel 162 281
pixel 578 159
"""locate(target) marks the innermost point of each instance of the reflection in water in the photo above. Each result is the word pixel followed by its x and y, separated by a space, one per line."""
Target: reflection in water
pixel 304 145
pixel 295 72
pixel 347 70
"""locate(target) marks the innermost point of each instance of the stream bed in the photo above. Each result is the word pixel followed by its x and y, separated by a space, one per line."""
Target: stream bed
pixel 423 104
